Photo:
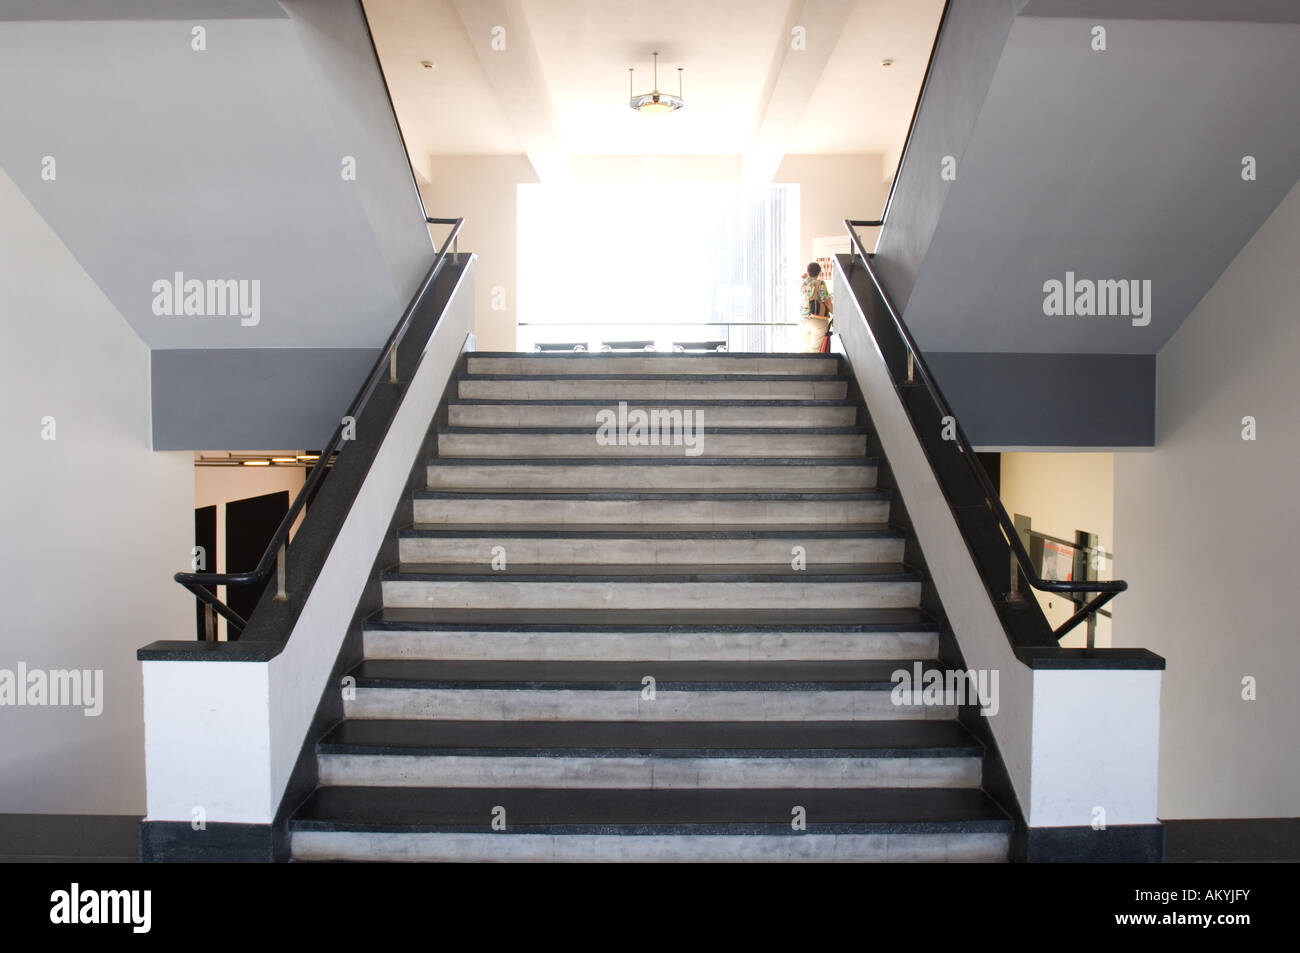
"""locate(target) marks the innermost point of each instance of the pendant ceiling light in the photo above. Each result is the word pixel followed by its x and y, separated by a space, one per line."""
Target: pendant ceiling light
pixel 655 102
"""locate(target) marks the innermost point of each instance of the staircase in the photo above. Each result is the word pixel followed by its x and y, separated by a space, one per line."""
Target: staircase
pixel 614 651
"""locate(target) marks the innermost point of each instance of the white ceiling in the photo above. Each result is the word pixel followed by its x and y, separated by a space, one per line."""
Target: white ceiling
pixel 572 79
pixel 449 109
pixel 725 47
pixel 861 106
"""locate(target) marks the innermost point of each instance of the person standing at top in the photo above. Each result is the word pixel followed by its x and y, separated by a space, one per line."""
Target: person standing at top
pixel 815 309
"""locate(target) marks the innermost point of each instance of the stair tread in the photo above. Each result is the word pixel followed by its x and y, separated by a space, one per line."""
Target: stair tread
pixel 663 573
pixel 590 431
pixel 918 739
pixel 778 675
pixel 655 530
pixel 578 381
pixel 621 811
pixel 653 401
pixel 764 495
pixel 615 375
pixel 683 461
pixel 811 620
pixel 658 355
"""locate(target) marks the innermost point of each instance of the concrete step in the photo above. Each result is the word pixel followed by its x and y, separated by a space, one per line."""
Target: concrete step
pixel 614 388
pixel 521 586
pixel 639 544
pixel 692 365
pixel 658 507
pixel 650 755
pixel 711 441
pixel 547 825
pixel 639 691
pixel 711 413
pixel 806 634
pixel 667 473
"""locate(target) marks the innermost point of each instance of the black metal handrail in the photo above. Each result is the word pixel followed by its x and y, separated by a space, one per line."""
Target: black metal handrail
pixel 274 555
pixel 917 368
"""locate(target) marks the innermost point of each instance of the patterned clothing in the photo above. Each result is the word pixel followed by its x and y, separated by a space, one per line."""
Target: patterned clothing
pixel 812 288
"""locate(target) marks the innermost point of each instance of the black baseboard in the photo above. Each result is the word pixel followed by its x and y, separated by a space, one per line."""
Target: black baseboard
pixel 1229 840
pixel 68 837
pixel 1133 844
pixel 179 842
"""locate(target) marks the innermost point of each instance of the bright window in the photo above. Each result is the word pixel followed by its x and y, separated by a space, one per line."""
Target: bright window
pixel 673 263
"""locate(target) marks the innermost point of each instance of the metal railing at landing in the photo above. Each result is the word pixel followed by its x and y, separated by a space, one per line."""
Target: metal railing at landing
pixel 724 334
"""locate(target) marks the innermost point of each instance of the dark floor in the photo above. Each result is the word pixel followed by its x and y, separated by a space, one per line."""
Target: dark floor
pixel 86 838
pixel 1275 839
pixel 83 838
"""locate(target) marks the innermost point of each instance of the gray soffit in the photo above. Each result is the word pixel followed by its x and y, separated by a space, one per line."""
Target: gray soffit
pixel 232 177
pixel 1062 401
pixel 1254 11
pixel 140 10
pixel 253 398
pixel 1117 165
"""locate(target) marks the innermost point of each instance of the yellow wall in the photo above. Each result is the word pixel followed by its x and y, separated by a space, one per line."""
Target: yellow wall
pixel 831 189
pixel 213 485
pixel 484 190
pixel 1061 493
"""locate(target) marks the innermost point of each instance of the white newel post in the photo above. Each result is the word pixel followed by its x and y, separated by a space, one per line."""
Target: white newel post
pixel 1095 747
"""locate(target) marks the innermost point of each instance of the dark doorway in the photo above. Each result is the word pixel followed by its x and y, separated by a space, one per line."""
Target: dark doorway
pixel 993 466
pixel 250 524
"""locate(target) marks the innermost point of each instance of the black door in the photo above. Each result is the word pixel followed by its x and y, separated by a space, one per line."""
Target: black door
pixel 250 524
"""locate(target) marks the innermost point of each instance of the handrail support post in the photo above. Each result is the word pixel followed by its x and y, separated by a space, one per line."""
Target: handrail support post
pixel 281 593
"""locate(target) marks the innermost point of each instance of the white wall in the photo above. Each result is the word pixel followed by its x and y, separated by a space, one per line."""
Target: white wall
pixel 1061 493
pixel 484 190
pixel 831 189
pixel 95 524
pixel 1206 534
